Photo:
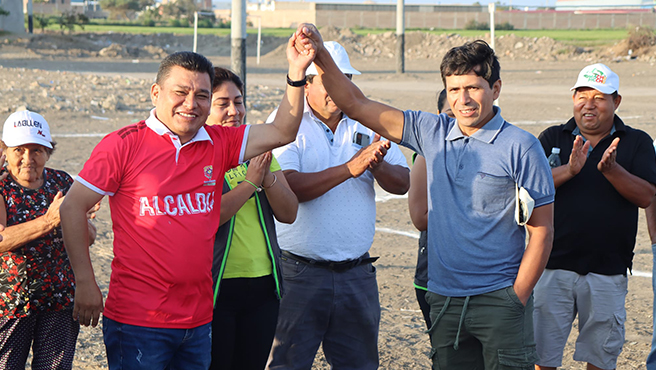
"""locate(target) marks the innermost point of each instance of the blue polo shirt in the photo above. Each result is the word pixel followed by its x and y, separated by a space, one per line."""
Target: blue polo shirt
pixel 474 244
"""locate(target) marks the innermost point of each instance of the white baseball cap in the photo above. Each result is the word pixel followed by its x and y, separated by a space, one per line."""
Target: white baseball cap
pixel 25 127
pixel 599 77
pixel 340 57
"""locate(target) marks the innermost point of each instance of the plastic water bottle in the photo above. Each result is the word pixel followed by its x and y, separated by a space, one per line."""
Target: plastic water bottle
pixel 554 158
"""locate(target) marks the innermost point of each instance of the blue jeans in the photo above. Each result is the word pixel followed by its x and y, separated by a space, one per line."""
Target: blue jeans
pixel 140 347
pixel 651 359
pixel 339 309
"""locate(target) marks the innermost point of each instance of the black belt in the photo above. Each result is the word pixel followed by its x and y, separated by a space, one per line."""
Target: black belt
pixel 332 265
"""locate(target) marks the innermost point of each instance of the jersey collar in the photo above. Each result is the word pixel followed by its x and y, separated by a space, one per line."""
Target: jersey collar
pixel 159 128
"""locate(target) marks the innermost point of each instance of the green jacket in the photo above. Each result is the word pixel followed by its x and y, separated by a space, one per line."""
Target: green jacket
pixel 223 241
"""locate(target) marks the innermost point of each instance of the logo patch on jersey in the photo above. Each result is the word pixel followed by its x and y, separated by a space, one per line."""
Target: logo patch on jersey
pixel 209 171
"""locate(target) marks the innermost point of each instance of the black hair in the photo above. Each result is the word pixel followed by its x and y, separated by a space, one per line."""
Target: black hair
pixel 186 59
pixel 222 75
pixel 475 56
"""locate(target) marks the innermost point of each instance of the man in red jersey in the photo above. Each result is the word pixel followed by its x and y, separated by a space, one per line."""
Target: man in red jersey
pixel 160 175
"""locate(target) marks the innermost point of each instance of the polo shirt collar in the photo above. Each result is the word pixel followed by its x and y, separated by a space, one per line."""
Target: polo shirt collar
pixel 329 133
pixel 153 123
pixel 486 134
pixel 618 126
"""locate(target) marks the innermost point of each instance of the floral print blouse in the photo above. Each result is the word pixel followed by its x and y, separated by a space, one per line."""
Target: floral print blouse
pixel 36 277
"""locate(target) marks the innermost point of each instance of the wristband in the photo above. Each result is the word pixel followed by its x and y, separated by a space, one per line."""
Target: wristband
pixel 275 178
pixel 296 83
pixel 257 188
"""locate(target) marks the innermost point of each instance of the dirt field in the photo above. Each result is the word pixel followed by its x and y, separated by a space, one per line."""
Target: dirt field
pixel 84 95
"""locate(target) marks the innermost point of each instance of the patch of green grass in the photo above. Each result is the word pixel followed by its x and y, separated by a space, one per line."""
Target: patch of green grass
pixel 583 38
pixel 126 28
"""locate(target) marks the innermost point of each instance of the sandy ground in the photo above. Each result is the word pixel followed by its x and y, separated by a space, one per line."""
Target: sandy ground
pixel 84 98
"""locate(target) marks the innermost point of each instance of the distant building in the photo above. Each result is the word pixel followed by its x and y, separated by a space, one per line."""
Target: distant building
pixel 14 21
pixel 91 8
pixel 593 5
pixel 49 6
pixel 201 4
pixel 288 14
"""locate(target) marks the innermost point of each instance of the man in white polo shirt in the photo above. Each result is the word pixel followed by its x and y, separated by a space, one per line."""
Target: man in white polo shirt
pixel 331 294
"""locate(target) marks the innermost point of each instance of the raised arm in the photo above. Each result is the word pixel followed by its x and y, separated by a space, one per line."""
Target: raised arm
pixel 418 194
pixel 636 190
pixel 281 198
pixel 88 303
pixel 577 160
pixel 536 255
pixel 283 129
pixel 394 179
pixel 381 118
pixel 311 185
pixel 232 201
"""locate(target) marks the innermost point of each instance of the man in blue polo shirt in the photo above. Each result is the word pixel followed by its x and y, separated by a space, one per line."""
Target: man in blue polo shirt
pixel 481 273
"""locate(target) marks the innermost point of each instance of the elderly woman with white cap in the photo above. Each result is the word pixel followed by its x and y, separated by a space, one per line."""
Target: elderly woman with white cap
pixel 37 284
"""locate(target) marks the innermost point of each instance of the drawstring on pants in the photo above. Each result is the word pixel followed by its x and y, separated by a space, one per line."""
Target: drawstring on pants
pixel 462 319
pixel 439 316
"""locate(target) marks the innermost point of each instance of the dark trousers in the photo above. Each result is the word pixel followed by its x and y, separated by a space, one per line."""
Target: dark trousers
pixel 52 336
pixel 339 310
pixel 245 317
pixel 423 305
pixel 491 331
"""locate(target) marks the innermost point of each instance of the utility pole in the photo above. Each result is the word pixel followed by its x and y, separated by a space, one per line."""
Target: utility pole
pixel 30 18
pixel 400 37
pixel 491 7
pixel 238 39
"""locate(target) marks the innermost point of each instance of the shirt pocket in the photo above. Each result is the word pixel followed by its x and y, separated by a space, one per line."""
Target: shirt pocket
pixel 491 194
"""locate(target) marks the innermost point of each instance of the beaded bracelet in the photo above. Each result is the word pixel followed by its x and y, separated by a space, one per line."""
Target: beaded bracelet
pixel 257 188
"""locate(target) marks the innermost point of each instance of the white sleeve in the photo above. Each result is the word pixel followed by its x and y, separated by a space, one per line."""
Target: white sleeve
pixel 288 157
pixel 271 116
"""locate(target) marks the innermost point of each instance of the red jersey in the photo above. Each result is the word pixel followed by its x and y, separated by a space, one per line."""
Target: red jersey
pixel 164 216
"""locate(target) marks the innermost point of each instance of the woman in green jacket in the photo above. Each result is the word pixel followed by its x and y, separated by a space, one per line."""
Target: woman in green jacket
pixel 246 270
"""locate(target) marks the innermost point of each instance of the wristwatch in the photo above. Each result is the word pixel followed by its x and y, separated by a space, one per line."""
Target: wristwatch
pixel 296 83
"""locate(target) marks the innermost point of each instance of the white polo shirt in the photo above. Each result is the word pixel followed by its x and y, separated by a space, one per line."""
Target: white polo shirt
pixel 340 224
